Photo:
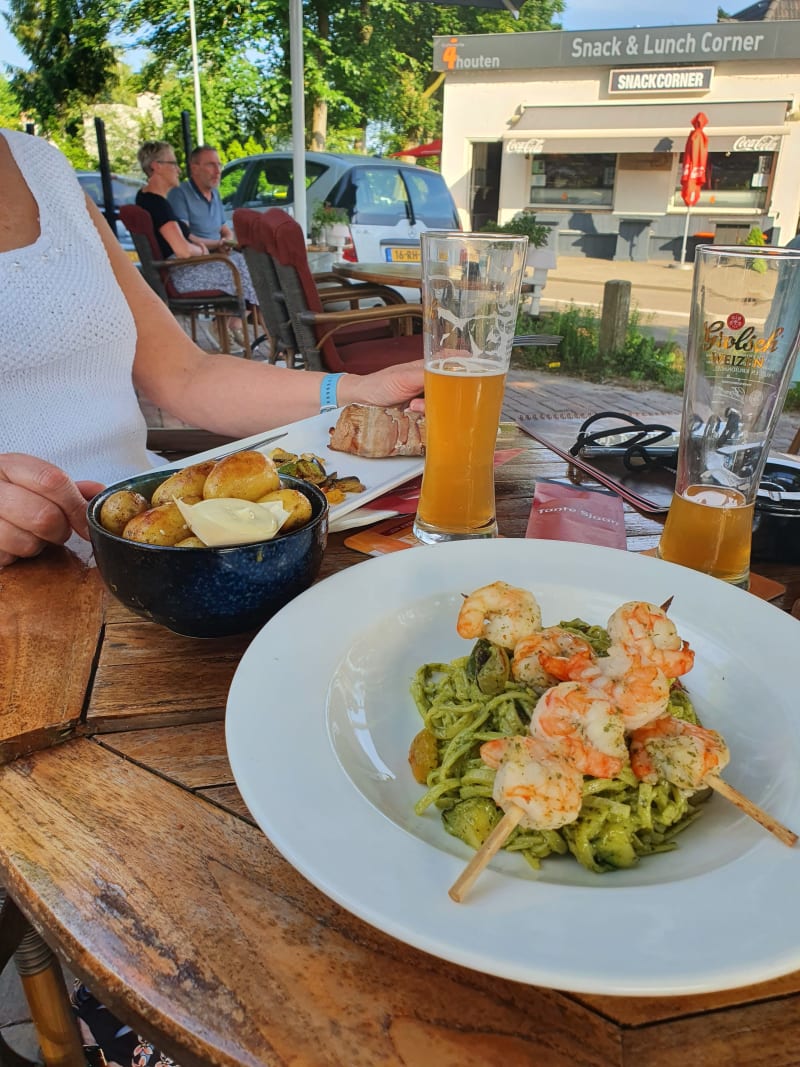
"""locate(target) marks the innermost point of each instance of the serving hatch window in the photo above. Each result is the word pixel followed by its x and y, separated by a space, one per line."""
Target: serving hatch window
pixel 734 180
pixel 586 180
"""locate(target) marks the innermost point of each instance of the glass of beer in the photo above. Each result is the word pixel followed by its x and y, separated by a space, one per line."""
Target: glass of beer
pixel 470 297
pixel 744 333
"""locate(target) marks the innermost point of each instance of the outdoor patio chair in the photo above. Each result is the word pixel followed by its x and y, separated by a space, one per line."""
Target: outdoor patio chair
pixel 356 339
pixel 249 234
pixel 157 272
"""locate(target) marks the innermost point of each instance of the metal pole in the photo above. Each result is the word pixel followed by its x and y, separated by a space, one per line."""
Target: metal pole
pixel 298 111
pixel 685 237
pixel 198 107
pixel 105 174
pixel 186 131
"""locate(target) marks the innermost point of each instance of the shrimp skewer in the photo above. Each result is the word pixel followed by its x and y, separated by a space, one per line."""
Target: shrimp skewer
pixel 690 756
pixel 534 786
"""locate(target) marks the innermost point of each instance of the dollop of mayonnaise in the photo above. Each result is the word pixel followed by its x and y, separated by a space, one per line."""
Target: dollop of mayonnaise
pixel 225 521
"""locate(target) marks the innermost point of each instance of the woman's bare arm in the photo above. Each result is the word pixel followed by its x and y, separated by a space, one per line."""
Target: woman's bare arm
pixel 227 394
pixel 173 235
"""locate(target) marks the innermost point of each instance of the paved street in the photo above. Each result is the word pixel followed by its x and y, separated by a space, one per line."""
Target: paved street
pixel 659 291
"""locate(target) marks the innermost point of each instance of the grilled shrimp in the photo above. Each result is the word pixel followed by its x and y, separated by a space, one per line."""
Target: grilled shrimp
pixel 640 691
pixel 551 655
pixel 646 629
pixel 533 777
pixel 679 751
pixel 501 613
pixel 585 726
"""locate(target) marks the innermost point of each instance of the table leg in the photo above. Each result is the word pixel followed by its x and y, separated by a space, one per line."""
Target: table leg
pixel 44 988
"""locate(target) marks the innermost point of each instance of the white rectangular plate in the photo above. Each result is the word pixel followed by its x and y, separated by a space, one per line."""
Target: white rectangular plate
pixel 311 435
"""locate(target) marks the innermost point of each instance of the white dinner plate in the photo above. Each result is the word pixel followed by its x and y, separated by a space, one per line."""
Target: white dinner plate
pixel 320 718
pixel 311 435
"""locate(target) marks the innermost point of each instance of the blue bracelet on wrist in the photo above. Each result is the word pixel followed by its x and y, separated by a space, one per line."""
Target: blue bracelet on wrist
pixel 327 392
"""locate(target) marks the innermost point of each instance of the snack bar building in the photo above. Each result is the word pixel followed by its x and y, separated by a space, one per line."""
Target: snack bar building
pixel 587 130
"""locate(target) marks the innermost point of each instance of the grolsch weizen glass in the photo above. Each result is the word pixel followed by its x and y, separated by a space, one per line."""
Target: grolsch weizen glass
pixel 470 295
pixel 744 332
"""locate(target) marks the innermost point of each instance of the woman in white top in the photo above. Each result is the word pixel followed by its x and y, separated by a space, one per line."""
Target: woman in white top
pixel 81 332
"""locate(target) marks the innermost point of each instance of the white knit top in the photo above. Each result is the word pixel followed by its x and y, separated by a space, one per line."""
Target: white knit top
pixel 67 336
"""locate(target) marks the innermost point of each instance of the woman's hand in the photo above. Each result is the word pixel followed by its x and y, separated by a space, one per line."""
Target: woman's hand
pixel 40 505
pixel 392 385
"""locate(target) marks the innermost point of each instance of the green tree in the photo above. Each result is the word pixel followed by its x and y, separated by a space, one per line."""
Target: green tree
pixel 366 61
pixel 10 108
pixel 71 59
pixel 235 106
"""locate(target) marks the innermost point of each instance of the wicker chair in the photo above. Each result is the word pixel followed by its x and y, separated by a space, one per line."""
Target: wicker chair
pixel 356 339
pixel 157 273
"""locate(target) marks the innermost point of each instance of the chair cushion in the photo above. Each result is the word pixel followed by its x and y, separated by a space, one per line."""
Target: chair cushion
pixel 362 357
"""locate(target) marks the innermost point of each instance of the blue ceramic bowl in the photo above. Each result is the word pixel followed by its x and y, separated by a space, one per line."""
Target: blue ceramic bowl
pixel 209 592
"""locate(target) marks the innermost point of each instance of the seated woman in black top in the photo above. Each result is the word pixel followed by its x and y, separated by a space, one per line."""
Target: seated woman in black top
pixel 157 160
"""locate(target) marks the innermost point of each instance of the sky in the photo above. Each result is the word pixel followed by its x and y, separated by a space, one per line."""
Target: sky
pixel 578 15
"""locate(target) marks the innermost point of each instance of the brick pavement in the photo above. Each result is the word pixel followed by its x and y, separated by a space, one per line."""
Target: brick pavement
pixel 544 395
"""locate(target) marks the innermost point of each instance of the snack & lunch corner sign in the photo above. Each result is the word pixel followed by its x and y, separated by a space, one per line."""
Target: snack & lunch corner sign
pixel 632 47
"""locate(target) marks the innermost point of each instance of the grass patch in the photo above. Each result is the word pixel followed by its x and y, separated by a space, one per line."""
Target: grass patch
pixel 642 361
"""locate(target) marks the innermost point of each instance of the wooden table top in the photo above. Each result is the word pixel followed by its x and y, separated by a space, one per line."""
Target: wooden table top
pixel 125 842
pixel 404 275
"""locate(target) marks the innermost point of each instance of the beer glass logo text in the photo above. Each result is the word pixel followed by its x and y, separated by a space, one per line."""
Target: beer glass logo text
pixel 733 344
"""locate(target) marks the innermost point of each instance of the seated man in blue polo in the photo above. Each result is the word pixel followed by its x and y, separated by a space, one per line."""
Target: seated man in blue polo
pixel 197 201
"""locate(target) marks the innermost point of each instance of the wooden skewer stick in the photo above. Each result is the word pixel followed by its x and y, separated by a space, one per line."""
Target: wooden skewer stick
pixel 493 843
pixel 783 833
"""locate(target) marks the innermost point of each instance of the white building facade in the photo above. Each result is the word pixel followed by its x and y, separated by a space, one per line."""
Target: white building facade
pixel 587 130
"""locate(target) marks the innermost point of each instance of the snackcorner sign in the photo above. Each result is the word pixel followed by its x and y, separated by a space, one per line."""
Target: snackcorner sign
pixel 586 130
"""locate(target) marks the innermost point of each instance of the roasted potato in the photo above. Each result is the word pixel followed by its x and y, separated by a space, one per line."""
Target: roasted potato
pixel 118 510
pixel 293 501
pixel 191 542
pixel 186 483
pixel 242 476
pixel 163 525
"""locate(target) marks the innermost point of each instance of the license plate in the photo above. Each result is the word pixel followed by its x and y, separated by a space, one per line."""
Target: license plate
pixel 403 255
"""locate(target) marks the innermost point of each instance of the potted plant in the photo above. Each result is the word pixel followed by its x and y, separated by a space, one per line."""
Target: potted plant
pixel 329 225
pixel 756 239
pixel 523 224
pixel 541 256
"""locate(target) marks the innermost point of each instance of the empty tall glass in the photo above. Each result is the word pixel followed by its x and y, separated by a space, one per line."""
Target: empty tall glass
pixel 744 333
pixel 470 295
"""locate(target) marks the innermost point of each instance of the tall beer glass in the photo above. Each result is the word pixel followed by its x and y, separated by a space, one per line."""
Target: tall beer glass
pixel 470 296
pixel 744 332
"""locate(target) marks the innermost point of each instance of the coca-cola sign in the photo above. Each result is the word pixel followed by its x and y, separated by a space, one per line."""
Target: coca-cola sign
pixel 530 147
pixel 768 143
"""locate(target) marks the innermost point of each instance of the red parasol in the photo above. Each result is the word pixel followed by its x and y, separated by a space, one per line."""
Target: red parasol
pixel 434 148
pixel 695 159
